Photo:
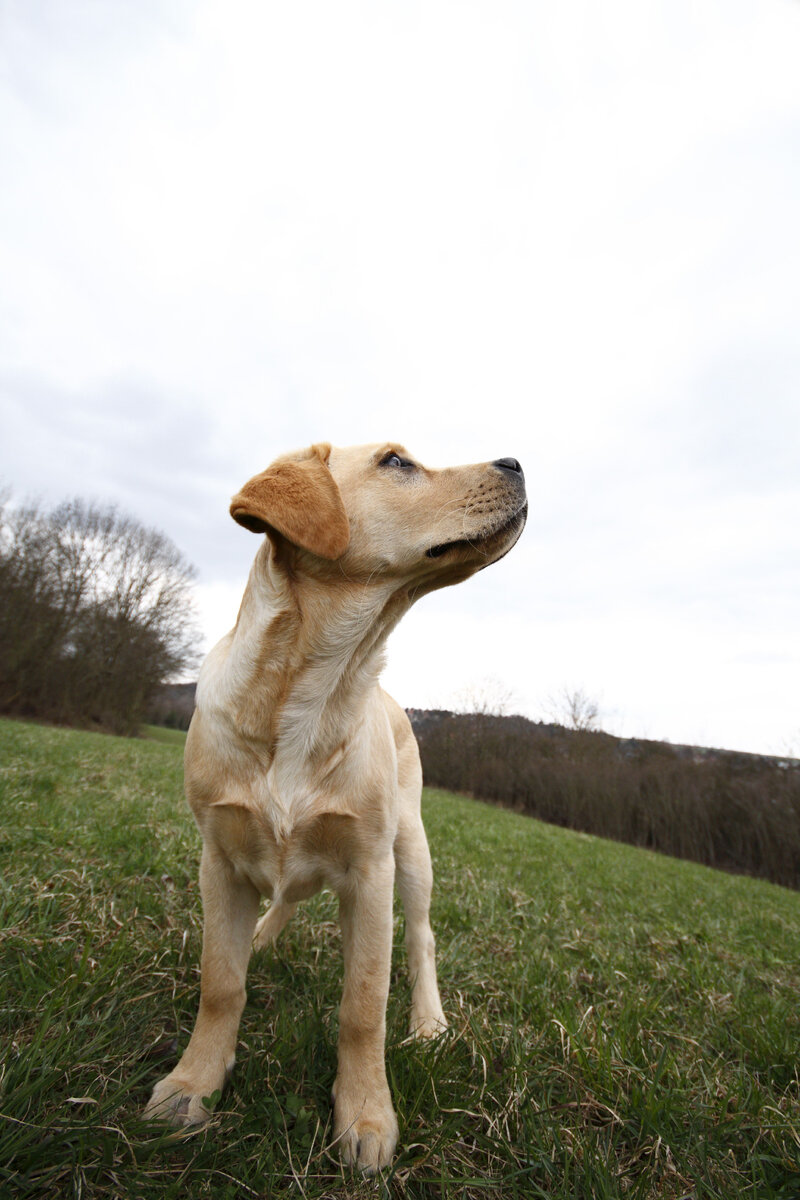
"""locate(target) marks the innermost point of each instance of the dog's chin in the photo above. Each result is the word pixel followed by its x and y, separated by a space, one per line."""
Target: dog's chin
pixel 482 547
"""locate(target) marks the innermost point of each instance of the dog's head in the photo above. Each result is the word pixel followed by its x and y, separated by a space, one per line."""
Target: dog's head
pixel 375 512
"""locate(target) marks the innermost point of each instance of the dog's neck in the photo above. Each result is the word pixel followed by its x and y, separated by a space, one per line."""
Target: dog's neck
pixel 303 660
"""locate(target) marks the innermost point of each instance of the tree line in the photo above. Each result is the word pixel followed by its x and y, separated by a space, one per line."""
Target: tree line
pixel 735 811
pixel 95 613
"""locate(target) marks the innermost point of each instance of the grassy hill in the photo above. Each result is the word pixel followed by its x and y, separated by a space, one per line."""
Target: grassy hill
pixel 622 1024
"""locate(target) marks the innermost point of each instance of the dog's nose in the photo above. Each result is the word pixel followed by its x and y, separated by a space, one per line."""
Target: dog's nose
pixel 508 464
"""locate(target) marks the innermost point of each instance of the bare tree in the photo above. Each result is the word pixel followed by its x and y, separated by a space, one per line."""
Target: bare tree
pixel 574 709
pixel 487 697
pixel 95 613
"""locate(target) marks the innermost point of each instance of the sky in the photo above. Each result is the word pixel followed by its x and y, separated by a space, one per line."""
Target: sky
pixel 566 233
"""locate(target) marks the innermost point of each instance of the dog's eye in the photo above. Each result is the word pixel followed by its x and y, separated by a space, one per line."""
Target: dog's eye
pixel 394 460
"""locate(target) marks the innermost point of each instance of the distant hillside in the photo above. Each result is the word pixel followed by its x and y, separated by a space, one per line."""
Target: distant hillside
pixel 424 720
pixel 727 809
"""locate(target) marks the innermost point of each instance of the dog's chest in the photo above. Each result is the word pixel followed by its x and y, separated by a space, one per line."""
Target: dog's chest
pixel 319 852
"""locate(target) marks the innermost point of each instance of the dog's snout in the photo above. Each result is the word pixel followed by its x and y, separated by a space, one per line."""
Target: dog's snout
pixel 508 464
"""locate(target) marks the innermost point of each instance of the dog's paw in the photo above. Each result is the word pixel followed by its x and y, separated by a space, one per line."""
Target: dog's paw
pixel 265 934
pixel 271 924
pixel 427 1022
pixel 428 1027
pixel 365 1129
pixel 177 1103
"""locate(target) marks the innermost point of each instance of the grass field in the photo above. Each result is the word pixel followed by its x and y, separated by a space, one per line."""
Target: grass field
pixel 622 1025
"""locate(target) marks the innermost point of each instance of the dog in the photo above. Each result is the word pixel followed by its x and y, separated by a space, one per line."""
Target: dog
pixel 303 774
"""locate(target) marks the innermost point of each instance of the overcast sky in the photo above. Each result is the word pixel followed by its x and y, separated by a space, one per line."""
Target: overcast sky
pixel 563 232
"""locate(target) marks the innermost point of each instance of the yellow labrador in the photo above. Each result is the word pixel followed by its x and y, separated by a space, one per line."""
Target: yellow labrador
pixel 303 774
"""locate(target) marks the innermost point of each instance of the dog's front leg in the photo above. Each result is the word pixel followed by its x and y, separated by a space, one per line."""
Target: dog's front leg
pixel 230 908
pixel 364 1121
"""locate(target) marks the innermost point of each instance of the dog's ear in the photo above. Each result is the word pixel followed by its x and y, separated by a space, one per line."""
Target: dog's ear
pixel 299 498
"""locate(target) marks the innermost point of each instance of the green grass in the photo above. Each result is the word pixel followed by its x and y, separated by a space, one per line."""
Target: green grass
pixel 622 1025
pixel 160 733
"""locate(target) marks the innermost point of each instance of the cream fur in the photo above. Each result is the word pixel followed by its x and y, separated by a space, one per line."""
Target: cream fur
pixel 303 774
